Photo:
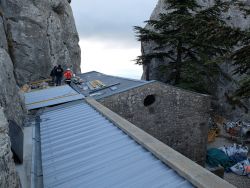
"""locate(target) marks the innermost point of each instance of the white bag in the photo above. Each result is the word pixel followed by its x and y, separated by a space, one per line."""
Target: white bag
pixel 239 168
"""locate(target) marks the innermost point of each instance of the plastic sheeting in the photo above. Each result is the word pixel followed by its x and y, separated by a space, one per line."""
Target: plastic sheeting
pixel 235 149
pixel 242 168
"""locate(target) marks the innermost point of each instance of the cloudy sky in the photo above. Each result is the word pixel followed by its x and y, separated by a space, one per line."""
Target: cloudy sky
pixel 106 33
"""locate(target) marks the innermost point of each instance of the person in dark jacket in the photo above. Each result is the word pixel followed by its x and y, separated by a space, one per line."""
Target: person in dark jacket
pixel 53 75
pixel 58 74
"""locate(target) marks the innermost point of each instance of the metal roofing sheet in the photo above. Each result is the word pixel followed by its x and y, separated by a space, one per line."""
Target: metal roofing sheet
pixel 51 96
pixel 81 148
pixel 119 84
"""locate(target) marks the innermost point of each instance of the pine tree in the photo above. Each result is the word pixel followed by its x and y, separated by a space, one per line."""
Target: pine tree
pixel 192 40
pixel 241 59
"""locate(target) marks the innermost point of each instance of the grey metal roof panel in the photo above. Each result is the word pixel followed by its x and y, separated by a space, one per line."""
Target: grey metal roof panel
pixel 81 148
pixel 121 84
pixel 51 96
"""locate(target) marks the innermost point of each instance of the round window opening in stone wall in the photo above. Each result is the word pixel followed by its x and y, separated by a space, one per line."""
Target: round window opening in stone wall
pixel 149 100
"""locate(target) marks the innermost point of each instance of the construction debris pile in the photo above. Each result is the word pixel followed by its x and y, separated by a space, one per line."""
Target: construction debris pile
pixel 238 129
pixel 232 158
pixel 236 153
pixel 76 80
pixel 40 84
pixel 96 87
pixel 213 131
pixel 242 168
pixel 95 84
pixel 46 83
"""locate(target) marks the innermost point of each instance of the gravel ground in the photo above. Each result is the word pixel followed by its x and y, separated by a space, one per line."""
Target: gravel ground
pixel 238 181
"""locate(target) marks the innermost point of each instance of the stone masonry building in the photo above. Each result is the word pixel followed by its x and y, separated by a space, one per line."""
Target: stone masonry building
pixel 174 116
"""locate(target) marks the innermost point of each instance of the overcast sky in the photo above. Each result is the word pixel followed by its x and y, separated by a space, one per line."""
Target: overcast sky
pixel 106 33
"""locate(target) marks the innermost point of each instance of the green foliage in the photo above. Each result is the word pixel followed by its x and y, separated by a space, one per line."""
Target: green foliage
pixel 241 58
pixel 244 90
pixel 192 40
pixel 199 78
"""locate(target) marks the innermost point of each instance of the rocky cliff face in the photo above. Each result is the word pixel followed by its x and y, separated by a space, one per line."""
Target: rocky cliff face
pixel 40 34
pixel 8 175
pixel 35 35
pixel 223 86
pixel 9 92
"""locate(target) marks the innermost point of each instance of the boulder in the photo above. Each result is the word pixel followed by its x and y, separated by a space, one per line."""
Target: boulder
pixel 40 34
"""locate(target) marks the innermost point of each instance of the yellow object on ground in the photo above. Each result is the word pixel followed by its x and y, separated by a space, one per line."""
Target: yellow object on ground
pixel 40 81
pixel 25 88
pixel 40 84
pixel 97 84
pixel 211 135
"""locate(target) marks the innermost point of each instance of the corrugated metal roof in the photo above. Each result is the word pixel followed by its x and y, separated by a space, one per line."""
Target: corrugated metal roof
pixel 114 84
pixel 51 96
pixel 81 148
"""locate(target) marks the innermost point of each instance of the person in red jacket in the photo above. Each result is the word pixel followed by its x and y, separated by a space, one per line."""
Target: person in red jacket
pixel 68 75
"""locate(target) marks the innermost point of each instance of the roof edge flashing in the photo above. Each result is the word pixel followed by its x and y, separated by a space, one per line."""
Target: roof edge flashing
pixel 185 90
pixel 120 77
pixel 127 89
pixel 195 174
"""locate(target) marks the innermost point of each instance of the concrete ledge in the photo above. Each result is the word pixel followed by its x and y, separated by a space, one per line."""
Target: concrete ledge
pixel 192 172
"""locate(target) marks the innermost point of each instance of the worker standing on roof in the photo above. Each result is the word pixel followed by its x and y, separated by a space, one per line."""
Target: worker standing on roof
pixel 58 74
pixel 53 75
pixel 68 75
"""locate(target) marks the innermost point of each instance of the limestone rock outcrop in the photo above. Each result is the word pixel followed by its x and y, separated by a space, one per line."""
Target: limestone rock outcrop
pixel 40 34
pixel 35 35
pixel 8 175
pixel 10 98
pixel 224 86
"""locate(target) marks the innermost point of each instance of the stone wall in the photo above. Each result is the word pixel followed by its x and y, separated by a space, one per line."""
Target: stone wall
pixel 8 175
pixel 177 117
